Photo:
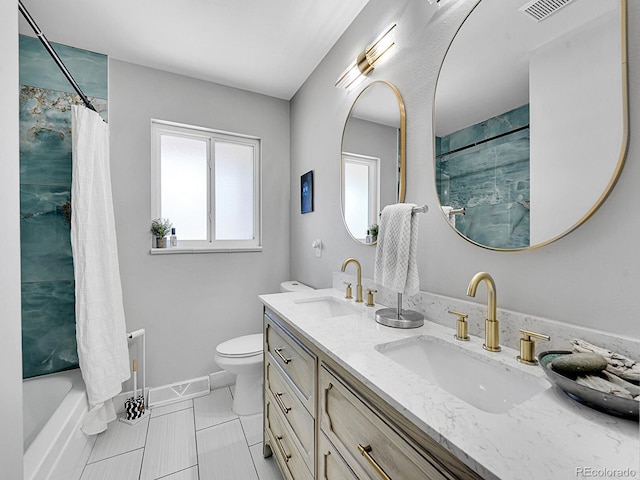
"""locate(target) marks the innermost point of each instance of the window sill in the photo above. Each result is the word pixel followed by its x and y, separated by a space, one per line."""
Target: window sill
pixel 181 250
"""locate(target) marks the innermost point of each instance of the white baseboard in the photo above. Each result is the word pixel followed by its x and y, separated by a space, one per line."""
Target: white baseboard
pixel 216 380
pixel 221 379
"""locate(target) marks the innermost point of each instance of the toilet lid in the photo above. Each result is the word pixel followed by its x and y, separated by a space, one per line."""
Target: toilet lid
pixel 241 346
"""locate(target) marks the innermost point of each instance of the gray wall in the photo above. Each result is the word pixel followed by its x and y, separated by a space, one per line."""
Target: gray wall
pixel 189 303
pixel 588 278
pixel 10 341
pixel 582 147
pixel 381 141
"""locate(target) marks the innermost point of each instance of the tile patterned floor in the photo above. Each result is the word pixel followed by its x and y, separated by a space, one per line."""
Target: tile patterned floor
pixel 199 439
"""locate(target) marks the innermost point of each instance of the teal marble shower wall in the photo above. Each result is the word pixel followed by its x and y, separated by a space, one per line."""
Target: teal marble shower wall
pixel 48 297
pixel 485 169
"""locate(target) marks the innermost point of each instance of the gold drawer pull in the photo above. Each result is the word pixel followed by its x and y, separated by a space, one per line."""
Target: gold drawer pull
pixel 283 452
pixel 284 408
pixel 365 453
pixel 285 360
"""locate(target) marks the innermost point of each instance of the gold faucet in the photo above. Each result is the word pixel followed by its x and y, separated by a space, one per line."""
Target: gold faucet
pixel 492 333
pixel 359 276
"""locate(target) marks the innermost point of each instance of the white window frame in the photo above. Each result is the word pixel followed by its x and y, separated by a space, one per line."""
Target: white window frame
pixel 210 136
pixel 373 165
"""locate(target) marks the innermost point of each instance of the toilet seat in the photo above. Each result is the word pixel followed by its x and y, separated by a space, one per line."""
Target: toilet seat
pixel 241 347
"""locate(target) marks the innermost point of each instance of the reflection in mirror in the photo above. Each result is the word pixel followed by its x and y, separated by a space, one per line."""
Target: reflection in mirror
pixel 530 120
pixel 372 163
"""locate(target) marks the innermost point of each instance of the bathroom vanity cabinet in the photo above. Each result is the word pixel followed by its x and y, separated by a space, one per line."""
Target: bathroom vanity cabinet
pixel 321 422
pixel 337 406
pixel 289 400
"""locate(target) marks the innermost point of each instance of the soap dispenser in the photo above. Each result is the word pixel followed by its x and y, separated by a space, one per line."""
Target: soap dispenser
pixel 173 240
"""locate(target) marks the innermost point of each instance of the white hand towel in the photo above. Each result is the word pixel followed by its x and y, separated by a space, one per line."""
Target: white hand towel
pixel 396 267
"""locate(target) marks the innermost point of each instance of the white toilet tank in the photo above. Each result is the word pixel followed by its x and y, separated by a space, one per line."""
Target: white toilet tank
pixel 294 286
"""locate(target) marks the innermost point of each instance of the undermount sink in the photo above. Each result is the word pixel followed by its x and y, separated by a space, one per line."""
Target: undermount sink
pixel 487 385
pixel 324 307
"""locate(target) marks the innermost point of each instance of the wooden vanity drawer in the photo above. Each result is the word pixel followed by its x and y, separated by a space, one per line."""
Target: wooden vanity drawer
pixel 363 437
pixel 291 408
pixel 331 466
pixel 296 361
pixel 283 444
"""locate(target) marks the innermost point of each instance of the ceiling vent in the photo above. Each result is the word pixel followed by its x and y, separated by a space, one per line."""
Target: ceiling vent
pixel 538 10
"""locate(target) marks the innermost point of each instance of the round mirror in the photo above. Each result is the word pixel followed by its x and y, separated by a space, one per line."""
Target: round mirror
pixel 530 119
pixel 372 165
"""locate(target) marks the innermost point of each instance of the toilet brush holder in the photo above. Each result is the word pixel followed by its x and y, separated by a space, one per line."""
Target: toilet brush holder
pixel 134 408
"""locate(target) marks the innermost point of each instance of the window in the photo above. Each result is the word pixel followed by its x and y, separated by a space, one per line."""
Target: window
pixel 208 184
pixel 360 192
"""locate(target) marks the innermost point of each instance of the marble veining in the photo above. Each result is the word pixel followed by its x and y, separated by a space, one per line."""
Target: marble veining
pixel 489 179
pixel 492 127
pixel 547 436
pixel 44 234
pixel 45 135
pixel 48 312
pixel 48 292
pixel 435 307
pixel 48 327
pixel 37 69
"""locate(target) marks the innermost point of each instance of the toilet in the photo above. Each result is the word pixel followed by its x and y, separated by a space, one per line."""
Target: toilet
pixel 243 357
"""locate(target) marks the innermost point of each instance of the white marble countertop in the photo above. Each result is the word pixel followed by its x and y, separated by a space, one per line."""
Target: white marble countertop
pixel 549 436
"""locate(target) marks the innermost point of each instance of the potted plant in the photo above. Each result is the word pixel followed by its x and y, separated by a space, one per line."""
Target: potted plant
pixel 160 228
pixel 373 231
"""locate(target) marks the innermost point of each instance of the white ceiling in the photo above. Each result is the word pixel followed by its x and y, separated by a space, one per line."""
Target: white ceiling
pixel 264 46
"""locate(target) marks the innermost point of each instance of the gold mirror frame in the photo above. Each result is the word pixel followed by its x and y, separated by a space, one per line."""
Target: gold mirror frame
pixel 623 148
pixel 402 141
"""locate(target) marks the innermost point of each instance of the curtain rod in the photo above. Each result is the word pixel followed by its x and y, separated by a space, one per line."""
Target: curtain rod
pixel 54 55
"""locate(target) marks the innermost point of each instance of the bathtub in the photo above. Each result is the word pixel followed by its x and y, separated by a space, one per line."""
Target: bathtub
pixel 54 446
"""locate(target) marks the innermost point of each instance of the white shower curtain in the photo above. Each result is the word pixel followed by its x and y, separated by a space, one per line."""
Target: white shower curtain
pixel 100 322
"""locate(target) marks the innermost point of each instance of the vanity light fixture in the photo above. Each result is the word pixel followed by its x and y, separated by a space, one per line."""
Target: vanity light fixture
pixel 368 59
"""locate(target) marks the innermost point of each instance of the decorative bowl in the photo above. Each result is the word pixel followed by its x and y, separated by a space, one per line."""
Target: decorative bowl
pixel 605 402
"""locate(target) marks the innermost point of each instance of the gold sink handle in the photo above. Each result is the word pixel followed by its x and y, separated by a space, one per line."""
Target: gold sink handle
pixel 528 346
pixel 462 327
pixel 370 293
pixel 348 294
